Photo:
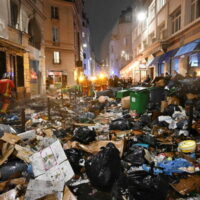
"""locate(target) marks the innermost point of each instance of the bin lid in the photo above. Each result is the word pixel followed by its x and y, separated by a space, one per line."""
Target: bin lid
pixel 138 89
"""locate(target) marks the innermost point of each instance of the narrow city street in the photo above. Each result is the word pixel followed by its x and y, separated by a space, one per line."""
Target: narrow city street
pixel 100 100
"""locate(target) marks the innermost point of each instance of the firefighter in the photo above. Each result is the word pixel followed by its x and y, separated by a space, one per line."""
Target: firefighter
pixel 85 86
pixel 98 85
pixel 6 86
pixel 104 85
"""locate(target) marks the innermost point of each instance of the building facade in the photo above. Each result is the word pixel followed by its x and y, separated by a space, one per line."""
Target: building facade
pixel 21 45
pixel 86 48
pixel 63 40
pixel 120 45
pixel 166 40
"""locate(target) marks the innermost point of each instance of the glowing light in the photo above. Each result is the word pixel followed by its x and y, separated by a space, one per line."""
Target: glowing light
pixel 84 45
pixel 141 16
pixel 102 76
pixel 93 78
pixel 81 78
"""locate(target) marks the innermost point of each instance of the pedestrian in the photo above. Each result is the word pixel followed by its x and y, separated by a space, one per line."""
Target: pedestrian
pixel 148 79
pixel 6 87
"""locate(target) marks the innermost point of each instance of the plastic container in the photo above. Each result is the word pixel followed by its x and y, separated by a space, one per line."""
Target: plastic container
pixel 187 146
pixel 139 99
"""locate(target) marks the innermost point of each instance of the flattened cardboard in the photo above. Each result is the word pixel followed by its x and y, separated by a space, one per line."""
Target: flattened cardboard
pixel 10 138
pixel 51 164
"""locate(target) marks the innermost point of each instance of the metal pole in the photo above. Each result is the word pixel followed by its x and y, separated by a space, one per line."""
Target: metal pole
pixel 49 109
pixel 23 119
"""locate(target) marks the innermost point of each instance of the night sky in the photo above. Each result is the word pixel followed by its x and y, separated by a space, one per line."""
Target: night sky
pixel 103 15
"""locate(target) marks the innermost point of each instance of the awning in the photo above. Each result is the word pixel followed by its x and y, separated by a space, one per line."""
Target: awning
pixel 165 57
pixel 188 48
pixel 155 61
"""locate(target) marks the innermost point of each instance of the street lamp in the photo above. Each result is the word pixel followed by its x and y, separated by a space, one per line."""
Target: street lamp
pixel 141 16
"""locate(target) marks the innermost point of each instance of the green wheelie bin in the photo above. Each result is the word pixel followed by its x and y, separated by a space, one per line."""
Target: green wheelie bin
pixel 139 99
pixel 122 93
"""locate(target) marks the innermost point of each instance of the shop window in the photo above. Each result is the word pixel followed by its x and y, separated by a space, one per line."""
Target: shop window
pixel 195 9
pixel 55 34
pixel 161 67
pixel 54 12
pixel 194 60
pixel 175 65
pixel 56 57
pixel 20 71
pixel 176 21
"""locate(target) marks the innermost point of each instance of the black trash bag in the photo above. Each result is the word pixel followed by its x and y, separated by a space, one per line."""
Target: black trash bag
pixel 60 133
pixel 107 93
pixel 182 124
pixel 87 192
pixel 140 186
pixel 88 116
pixel 84 135
pixel 145 120
pixel 135 156
pixel 120 124
pixel 103 169
pixel 147 139
pixel 171 109
pixel 75 156
pixel 13 169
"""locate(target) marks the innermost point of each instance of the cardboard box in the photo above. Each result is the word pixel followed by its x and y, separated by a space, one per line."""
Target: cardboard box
pixel 125 102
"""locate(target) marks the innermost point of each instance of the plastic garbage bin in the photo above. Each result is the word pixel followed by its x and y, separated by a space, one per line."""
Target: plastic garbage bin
pixel 122 93
pixel 139 99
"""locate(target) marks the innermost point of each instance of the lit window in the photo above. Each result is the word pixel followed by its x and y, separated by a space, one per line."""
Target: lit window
pixel 56 57
pixel 195 9
pixel 160 4
pixel 54 12
pixel 176 21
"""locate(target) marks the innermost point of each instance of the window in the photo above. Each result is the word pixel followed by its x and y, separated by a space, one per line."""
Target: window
pixel 152 10
pixel 55 34
pixel 54 12
pixel 14 8
pixel 160 4
pixel 176 21
pixel 125 41
pixel 195 9
pixel 152 38
pixel 162 31
pixel 56 57
pixel 194 60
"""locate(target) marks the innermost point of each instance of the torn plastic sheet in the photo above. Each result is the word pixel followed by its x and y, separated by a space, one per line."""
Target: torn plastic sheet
pixel 7 129
pixel 28 135
pixel 38 188
pixel 51 164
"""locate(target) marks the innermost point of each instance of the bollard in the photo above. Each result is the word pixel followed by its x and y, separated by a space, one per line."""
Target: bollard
pixel 23 119
pixel 49 109
pixel 62 97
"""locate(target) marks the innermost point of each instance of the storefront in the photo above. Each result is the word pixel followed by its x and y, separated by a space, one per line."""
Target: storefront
pixel 57 78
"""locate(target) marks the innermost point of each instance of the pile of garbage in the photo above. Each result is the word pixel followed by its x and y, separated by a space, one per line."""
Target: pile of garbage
pixel 84 148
